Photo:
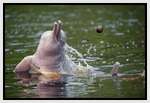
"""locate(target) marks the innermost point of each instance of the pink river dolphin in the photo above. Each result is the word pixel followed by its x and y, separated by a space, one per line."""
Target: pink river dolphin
pixel 50 60
pixel 49 53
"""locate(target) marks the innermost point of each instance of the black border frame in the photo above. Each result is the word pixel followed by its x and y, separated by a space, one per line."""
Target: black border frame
pixel 144 4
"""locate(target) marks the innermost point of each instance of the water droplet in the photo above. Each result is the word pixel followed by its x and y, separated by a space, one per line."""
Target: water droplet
pixel 127 59
pixel 101 42
pixel 84 41
pixel 101 54
pixel 133 42
pixel 103 62
pixel 119 34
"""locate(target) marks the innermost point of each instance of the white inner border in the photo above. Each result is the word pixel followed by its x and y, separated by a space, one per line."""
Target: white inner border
pixel 73 1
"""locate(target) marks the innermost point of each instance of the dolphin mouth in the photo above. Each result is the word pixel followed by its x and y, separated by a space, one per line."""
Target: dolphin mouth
pixel 57 30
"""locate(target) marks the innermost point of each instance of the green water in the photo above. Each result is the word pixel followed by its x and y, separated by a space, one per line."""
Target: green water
pixel 123 40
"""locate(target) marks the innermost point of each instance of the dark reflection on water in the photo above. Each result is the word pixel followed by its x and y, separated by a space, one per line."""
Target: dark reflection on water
pixel 85 87
pixel 123 40
pixel 51 91
pixel 42 89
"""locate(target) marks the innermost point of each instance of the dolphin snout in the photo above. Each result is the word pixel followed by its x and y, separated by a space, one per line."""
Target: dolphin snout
pixel 57 29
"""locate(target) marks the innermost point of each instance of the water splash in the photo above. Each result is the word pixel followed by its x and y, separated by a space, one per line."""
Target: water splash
pixel 74 63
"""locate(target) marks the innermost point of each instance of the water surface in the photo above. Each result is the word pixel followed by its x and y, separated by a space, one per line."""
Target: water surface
pixel 123 40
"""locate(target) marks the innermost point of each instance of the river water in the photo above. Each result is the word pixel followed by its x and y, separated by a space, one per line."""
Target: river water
pixel 123 40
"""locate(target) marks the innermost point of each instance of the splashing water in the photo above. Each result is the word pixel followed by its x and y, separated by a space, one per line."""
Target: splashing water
pixel 74 63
